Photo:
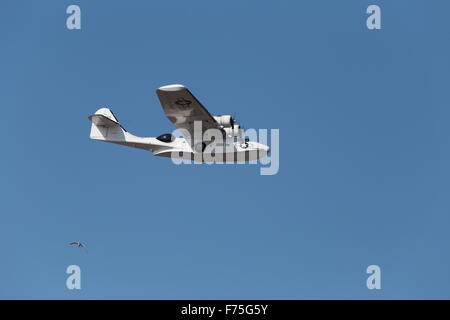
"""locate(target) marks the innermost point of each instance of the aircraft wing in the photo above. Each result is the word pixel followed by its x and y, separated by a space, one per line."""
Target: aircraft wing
pixel 182 108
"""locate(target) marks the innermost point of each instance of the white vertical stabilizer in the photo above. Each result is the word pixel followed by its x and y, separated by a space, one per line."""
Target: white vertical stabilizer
pixel 105 126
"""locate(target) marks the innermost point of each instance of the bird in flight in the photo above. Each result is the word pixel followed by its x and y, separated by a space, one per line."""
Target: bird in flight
pixel 77 243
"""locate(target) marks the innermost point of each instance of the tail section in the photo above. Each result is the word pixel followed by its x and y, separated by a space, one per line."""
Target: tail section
pixel 105 126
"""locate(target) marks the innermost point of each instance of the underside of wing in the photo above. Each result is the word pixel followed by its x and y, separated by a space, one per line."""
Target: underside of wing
pixel 182 108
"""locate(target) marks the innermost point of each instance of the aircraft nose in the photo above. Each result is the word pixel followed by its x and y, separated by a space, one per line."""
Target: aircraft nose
pixel 264 148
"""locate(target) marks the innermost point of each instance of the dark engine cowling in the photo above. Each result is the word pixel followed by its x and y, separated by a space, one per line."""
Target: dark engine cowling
pixel 234 131
pixel 225 121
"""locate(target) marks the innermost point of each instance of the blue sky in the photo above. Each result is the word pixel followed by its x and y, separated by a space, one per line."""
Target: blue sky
pixel 364 150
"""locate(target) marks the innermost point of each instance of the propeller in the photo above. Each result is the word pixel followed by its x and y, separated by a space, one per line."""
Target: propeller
pixel 233 121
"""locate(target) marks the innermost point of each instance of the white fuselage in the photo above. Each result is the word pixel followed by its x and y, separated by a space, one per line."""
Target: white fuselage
pixel 231 149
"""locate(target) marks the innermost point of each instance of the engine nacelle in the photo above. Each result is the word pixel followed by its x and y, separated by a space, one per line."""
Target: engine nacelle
pixel 236 131
pixel 226 121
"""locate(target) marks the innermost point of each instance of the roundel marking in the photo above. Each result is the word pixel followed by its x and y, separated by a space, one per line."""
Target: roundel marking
pixel 183 102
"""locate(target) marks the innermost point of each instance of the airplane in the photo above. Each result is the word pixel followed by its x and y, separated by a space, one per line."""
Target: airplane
pixel 204 137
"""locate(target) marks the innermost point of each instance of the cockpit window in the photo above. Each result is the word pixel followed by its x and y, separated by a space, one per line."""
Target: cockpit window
pixel 167 138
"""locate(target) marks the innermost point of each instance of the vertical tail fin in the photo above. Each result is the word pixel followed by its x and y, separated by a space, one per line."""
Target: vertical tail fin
pixel 105 126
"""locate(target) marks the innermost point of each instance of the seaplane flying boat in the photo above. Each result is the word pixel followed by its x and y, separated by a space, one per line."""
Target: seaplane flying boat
pixel 203 137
